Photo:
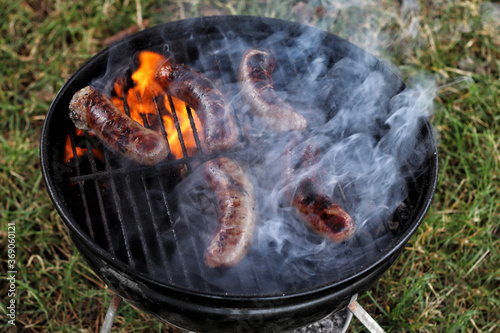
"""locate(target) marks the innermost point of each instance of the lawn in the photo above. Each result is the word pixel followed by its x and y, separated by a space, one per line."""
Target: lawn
pixel 447 278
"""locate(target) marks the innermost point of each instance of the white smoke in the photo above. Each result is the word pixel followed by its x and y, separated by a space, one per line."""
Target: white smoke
pixel 366 124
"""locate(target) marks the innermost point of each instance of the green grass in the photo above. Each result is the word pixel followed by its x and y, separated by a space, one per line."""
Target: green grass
pixel 447 278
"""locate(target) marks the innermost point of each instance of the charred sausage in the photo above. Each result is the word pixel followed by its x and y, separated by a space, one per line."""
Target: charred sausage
pixel 237 212
pixel 92 110
pixel 199 92
pixel 320 213
pixel 316 209
pixel 257 90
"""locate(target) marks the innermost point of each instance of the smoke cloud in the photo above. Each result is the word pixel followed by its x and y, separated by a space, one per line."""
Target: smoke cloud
pixel 367 127
pixel 365 122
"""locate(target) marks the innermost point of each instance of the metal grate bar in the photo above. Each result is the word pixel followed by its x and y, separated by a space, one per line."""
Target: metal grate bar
pixel 135 209
pixel 155 221
pixel 98 193
pixel 140 227
pixel 149 170
pixel 199 260
pixel 174 234
pixel 177 126
pixel 119 211
pixel 88 222
pixel 160 109
pixel 154 216
pixel 193 126
pixel 125 104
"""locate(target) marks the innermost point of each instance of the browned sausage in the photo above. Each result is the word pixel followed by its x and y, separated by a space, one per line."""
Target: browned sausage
pixel 320 213
pixel 317 210
pixel 195 89
pixel 92 110
pixel 257 90
pixel 237 212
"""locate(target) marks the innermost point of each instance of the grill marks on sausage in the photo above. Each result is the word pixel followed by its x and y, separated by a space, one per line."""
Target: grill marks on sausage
pixel 321 213
pixel 316 209
pixel 195 89
pixel 257 90
pixel 92 110
pixel 237 213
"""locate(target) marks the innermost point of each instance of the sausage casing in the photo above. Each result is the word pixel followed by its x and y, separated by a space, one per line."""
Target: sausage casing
pixel 316 209
pixel 237 212
pixel 320 213
pixel 257 90
pixel 199 92
pixel 92 110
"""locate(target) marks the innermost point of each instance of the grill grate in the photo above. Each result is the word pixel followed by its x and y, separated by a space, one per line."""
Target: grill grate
pixel 129 212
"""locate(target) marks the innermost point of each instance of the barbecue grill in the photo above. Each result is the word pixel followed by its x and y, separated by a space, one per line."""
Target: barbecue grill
pixel 126 223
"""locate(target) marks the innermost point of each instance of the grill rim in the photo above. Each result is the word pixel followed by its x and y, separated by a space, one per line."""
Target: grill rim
pixel 75 231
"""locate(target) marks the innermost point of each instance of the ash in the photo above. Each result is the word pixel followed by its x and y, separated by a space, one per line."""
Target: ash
pixel 335 323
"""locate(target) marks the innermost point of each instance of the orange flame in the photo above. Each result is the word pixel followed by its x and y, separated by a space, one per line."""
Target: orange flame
pixel 80 151
pixel 143 101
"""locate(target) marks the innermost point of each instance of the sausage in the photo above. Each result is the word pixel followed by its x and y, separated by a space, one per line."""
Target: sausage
pixel 257 90
pixel 199 92
pixel 237 213
pixel 316 209
pixel 320 213
pixel 92 110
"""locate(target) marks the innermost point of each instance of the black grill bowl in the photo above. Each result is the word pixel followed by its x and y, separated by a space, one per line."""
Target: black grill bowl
pixel 206 309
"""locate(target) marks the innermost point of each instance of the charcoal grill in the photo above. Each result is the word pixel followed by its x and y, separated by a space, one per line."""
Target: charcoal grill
pixel 121 217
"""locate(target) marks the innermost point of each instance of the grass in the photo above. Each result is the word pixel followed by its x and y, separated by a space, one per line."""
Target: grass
pixel 447 278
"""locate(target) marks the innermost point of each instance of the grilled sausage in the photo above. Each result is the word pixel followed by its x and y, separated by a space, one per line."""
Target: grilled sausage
pixel 92 110
pixel 317 210
pixel 195 89
pixel 257 90
pixel 237 213
pixel 320 213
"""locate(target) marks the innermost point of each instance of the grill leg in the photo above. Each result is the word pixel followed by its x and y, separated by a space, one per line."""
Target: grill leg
pixel 110 315
pixel 364 317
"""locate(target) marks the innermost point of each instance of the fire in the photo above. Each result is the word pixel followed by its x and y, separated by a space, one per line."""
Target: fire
pixel 148 105
pixel 80 151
